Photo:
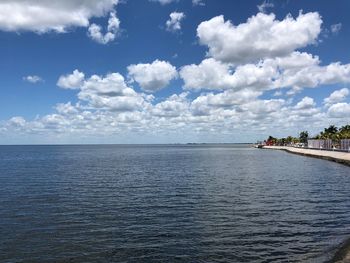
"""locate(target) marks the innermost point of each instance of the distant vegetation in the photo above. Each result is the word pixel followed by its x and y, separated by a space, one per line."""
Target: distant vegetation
pixel 332 132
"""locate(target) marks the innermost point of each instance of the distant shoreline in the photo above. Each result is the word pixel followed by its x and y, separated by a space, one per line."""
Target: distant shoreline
pixel 338 157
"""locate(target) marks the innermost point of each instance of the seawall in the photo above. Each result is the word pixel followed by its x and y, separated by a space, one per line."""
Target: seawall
pixel 339 157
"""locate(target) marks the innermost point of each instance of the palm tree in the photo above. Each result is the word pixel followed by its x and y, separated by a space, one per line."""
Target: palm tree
pixel 344 132
pixel 303 136
pixel 332 129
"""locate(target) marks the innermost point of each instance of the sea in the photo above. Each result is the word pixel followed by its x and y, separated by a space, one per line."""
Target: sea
pixel 169 203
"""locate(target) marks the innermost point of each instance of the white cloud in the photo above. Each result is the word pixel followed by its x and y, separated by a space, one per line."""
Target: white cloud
pixel 204 104
pixel 305 110
pixel 209 74
pixel 106 93
pixel 111 93
pixel 173 106
pixel 33 79
pixel 108 107
pixel 163 2
pixel 261 109
pixel 46 15
pixel 339 110
pixel 264 6
pixel 336 96
pixel 152 77
pixel 305 103
pixel 335 28
pixel 174 22
pixel 314 76
pixel 198 3
pixel 71 81
pixel 236 98
pixel 66 108
pixel 295 71
pixel 212 74
pixel 95 31
pixel 262 36
pixel 17 121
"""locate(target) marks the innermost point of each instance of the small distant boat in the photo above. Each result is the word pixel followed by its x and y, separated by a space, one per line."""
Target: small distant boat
pixel 258 146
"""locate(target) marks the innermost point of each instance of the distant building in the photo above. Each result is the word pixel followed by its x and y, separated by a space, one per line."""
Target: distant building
pixel 320 144
pixel 345 144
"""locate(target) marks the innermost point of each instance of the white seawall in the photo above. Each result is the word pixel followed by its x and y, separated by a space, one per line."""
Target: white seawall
pixel 340 157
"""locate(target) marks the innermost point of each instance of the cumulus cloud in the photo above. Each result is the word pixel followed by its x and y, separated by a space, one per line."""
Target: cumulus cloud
pixel 339 110
pixel 295 71
pixel 213 74
pixel 316 75
pixel 336 96
pixel 108 107
pixel 244 64
pixel 17 121
pixel 95 31
pixel 264 6
pixel 262 36
pixel 205 104
pixel 263 107
pixel 305 103
pixel 66 108
pixel 209 74
pixel 173 106
pixel 46 15
pixel 174 22
pixel 152 77
pixel 111 93
pixel 302 70
pixel 33 79
pixel 108 92
pixel 71 81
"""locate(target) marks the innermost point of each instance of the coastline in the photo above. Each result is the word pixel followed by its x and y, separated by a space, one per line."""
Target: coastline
pixel 342 254
pixel 339 157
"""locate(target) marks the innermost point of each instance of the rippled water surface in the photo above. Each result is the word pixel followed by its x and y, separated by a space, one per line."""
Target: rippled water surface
pixel 195 203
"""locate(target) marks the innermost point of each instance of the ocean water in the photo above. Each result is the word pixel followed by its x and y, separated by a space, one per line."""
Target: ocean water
pixel 169 203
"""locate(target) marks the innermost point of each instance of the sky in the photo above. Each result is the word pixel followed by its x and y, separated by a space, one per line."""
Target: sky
pixel 171 71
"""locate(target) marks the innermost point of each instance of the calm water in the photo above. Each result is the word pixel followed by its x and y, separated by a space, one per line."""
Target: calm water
pixel 216 203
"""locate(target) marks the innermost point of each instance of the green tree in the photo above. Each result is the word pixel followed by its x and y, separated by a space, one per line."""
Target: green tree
pixel 344 132
pixel 271 140
pixel 332 132
pixel 295 140
pixel 332 129
pixel 304 136
pixel 289 140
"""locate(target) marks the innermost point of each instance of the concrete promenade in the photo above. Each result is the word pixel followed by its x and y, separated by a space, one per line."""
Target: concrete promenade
pixel 339 157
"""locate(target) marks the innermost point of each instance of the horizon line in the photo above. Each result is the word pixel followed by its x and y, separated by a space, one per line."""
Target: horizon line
pixel 91 144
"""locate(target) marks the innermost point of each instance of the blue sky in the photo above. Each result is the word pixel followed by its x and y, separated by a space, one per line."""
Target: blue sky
pixel 171 71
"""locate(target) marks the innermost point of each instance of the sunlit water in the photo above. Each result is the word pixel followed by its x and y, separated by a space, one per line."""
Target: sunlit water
pixel 195 203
